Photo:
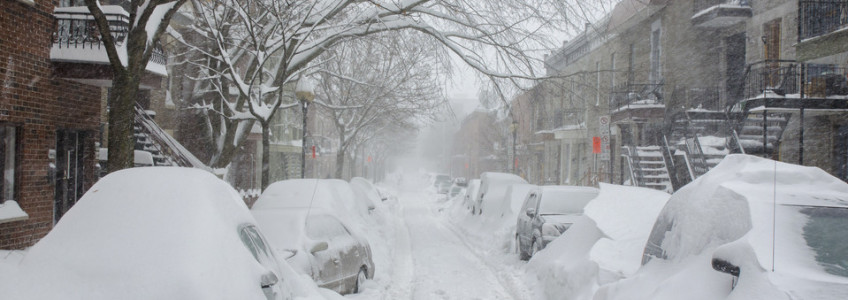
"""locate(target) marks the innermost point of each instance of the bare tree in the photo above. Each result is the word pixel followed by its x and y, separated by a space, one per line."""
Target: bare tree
pixel 148 21
pixel 367 84
pixel 260 46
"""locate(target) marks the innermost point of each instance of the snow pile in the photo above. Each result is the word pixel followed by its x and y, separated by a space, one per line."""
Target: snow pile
pixel 602 246
pixel 149 233
pixel 9 260
pixel 729 214
pixel 493 187
pixel 357 204
pixel 514 197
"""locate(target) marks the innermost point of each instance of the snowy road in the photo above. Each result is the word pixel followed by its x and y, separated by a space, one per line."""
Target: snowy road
pixel 433 259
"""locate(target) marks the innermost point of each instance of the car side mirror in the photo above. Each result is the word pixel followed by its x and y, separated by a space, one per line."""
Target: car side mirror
pixel 318 247
pixel 269 279
pixel 725 267
pixel 531 212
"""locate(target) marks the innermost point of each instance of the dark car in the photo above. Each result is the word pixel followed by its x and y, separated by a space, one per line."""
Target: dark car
pixel 547 212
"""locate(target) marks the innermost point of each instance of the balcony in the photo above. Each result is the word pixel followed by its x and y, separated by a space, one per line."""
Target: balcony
pixel 775 84
pixel 637 102
pixel 78 53
pixel 719 14
pixel 822 28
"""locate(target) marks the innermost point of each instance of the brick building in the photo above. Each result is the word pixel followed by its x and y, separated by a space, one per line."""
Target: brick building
pixel 54 74
pixel 44 120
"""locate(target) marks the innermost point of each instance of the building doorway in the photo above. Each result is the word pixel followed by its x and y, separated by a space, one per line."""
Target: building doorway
pixel 69 166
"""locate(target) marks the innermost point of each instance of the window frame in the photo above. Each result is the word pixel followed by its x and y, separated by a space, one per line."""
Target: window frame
pixel 16 162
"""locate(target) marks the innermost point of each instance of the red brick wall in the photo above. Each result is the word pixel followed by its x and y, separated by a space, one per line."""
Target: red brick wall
pixel 39 104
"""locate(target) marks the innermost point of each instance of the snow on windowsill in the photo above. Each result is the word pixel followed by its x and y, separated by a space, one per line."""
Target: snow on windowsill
pixel 10 211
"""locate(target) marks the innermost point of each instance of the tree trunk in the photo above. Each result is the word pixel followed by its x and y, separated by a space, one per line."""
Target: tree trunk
pixel 340 159
pixel 266 150
pixel 121 114
pixel 231 146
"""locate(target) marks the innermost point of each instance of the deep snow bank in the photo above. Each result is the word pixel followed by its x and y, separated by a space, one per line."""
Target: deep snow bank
pixel 603 246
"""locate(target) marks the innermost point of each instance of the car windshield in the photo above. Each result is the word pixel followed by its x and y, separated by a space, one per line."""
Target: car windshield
pixel 556 202
pixel 826 233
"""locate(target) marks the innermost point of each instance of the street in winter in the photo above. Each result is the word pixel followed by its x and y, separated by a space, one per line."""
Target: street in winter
pixel 452 149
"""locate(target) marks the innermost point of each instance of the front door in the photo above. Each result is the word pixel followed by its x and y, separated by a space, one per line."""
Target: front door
pixel 69 171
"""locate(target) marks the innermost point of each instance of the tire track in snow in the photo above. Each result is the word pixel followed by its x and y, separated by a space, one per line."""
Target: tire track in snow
pixel 446 267
pixel 402 266
pixel 512 284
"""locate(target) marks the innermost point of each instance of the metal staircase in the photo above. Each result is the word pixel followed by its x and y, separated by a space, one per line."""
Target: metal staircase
pixel 165 149
pixel 647 167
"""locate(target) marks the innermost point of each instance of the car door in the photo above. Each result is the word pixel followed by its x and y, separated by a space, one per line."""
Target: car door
pixel 271 282
pixel 323 228
pixel 352 252
pixel 524 228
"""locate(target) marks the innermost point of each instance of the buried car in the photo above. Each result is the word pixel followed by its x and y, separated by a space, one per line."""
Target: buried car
pixel 153 233
pixel 320 245
pixel 493 189
pixel 547 212
pixel 750 228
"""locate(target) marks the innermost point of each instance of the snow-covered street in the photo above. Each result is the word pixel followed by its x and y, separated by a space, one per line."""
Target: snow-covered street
pixel 434 258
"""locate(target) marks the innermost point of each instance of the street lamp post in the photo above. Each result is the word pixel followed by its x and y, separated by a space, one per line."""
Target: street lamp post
pixel 305 94
pixel 514 128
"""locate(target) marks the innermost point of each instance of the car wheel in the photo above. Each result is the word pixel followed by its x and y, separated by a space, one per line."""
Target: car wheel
pixel 521 254
pixel 536 248
pixel 360 279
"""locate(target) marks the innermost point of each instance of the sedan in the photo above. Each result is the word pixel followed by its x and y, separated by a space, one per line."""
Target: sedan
pixel 547 212
pixel 154 233
pixel 320 245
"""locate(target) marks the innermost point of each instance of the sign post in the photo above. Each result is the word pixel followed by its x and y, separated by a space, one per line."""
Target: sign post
pixel 604 121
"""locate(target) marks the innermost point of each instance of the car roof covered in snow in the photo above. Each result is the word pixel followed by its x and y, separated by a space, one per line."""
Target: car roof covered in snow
pixel 100 248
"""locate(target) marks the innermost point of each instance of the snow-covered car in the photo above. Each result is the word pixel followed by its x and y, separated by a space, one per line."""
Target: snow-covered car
pixel 320 245
pixel 471 193
pixel 546 213
pixel 492 189
pixel 603 246
pixel 455 190
pixel 331 194
pixel 154 233
pixel 514 197
pixel 772 230
pixel 367 189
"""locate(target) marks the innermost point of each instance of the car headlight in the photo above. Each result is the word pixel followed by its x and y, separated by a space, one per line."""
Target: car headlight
pixel 553 230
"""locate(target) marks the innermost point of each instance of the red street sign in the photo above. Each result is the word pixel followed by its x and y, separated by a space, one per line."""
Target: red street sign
pixel 369 158
pixel 313 151
pixel 596 144
pixel 516 163
pixel 466 165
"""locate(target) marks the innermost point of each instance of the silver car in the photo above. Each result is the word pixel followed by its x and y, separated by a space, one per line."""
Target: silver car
pixel 320 245
pixel 547 212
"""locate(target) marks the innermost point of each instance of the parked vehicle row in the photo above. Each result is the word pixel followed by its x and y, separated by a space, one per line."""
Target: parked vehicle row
pixel 751 228
pixel 181 233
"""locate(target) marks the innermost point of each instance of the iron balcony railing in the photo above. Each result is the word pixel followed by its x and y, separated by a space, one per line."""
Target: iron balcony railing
pixel 701 5
pixel 627 95
pixel 820 17
pixel 78 30
pixel 783 77
pixel 713 98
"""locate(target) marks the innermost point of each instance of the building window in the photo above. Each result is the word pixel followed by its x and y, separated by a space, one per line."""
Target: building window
pixel 656 52
pixel 7 152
